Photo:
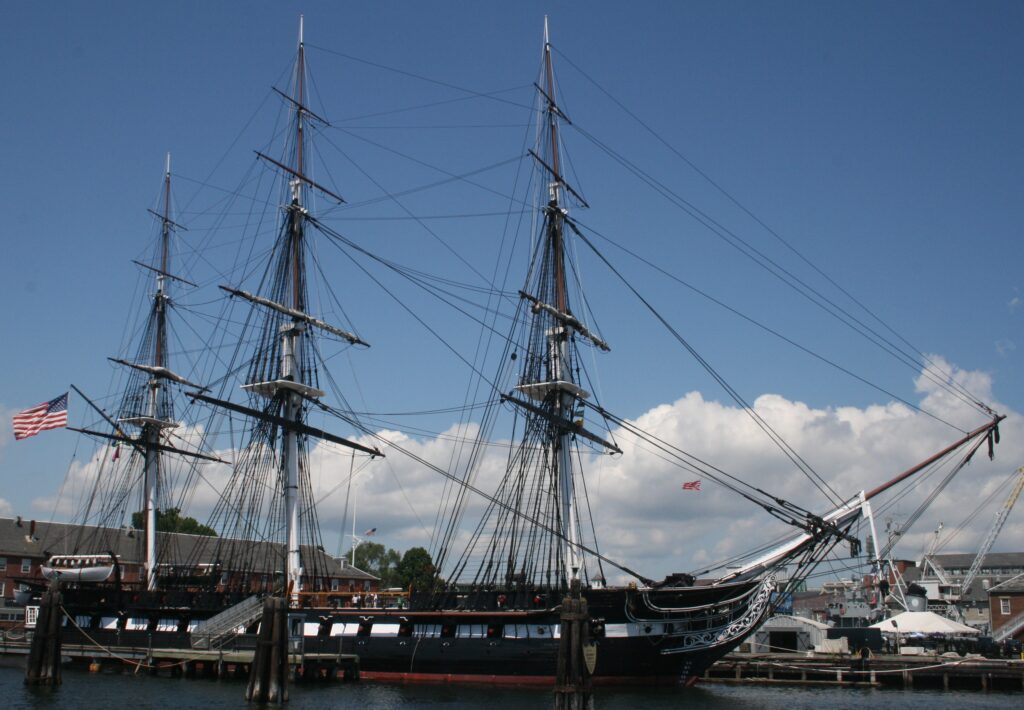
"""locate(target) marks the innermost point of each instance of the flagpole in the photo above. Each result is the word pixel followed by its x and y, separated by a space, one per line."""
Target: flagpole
pixel 355 540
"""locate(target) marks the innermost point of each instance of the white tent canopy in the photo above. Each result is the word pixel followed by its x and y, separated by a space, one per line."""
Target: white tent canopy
pixel 923 622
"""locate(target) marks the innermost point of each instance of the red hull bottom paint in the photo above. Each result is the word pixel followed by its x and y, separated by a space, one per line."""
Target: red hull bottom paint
pixel 527 680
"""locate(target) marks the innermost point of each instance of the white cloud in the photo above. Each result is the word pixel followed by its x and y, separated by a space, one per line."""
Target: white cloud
pixel 642 515
pixel 647 521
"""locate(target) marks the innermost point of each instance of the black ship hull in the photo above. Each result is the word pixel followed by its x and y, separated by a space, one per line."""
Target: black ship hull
pixel 666 635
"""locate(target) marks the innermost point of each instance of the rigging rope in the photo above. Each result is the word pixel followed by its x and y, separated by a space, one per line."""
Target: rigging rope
pixel 786 449
pixel 954 387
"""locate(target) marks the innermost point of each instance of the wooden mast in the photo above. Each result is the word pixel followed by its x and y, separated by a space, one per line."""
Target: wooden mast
pixel 151 429
pixel 291 355
pixel 558 334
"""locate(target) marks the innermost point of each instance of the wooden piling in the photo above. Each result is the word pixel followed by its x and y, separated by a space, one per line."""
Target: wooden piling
pixel 44 655
pixel 268 674
pixel 573 688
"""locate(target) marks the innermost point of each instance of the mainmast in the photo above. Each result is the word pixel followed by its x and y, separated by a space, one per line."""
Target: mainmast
pixel 543 545
pixel 152 430
pixel 283 370
pixel 558 334
pixel 291 355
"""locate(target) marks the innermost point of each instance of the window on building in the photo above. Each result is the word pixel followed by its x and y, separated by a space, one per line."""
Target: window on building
pixel 1004 606
pixel 26 565
pixel 335 585
pixel 3 564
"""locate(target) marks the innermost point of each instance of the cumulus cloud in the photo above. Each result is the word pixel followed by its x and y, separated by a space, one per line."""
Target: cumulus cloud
pixel 645 519
pixel 852 448
pixel 642 516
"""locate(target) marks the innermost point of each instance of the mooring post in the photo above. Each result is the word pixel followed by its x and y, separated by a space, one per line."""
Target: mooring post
pixel 268 674
pixel 44 655
pixel 280 669
pixel 577 656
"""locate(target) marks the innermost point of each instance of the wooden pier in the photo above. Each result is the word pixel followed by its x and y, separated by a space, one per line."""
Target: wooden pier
pixel 190 662
pixel 943 672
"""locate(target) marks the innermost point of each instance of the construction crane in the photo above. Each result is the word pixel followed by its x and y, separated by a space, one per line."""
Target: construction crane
pixel 930 561
pixel 990 539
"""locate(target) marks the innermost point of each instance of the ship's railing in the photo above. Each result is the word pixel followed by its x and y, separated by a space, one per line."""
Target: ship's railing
pixel 364 599
pixel 216 630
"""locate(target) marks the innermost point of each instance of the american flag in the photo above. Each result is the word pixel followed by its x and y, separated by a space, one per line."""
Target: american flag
pixel 692 485
pixel 48 415
pixel 370 533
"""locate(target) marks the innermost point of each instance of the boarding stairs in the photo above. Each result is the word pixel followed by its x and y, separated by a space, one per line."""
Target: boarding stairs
pixel 217 630
pixel 1008 629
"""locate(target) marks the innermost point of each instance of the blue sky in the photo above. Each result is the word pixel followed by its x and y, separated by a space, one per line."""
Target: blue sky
pixel 881 141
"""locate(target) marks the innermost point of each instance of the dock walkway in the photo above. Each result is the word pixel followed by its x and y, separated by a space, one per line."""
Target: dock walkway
pixel 946 672
pixel 192 661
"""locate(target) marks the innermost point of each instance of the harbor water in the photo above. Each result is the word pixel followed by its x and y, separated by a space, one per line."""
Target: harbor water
pixel 119 690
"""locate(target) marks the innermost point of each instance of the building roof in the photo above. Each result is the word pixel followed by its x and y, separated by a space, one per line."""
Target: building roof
pixel 992 559
pixel 23 538
pixel 1016 584
pixel 351 572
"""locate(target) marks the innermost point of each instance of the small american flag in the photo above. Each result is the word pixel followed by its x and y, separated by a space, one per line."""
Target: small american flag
pixel 48 415
pixel 371 532
pixel 692 485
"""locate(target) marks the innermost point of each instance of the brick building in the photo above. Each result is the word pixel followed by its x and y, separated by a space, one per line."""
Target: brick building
pixel 26 545
pixel 1006 608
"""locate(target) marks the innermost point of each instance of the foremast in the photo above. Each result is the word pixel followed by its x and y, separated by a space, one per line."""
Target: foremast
pixel 155 413
pixel 292 386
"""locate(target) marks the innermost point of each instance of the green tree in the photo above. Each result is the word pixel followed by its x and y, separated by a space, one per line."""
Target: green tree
pixel 171 520
pixel 416 569
pixel 379 561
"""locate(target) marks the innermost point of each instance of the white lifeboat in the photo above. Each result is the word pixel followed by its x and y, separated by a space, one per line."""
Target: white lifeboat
pixel 79 568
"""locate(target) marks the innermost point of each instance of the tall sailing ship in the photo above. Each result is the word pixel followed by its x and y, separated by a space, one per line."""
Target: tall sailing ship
pixel 492 609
